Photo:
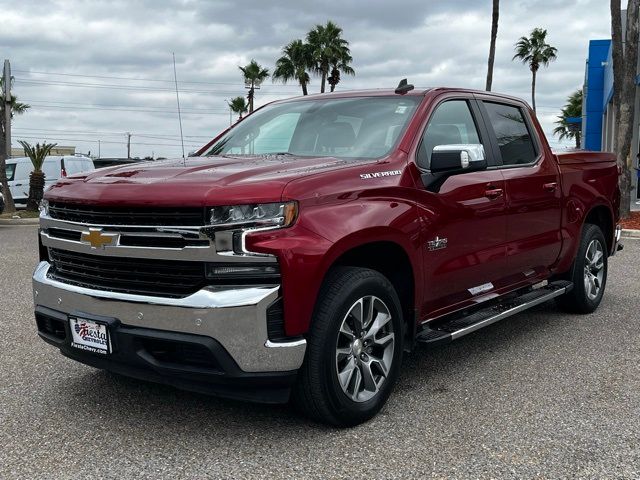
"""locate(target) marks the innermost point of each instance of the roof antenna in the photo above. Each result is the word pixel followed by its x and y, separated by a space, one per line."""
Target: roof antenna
pixel 404 87
pixel 175 78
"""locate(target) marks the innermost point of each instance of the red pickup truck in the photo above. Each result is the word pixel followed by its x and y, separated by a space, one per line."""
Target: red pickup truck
pixel 302 251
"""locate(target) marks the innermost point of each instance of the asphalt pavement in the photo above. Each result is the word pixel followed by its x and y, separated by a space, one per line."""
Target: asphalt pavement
pixel 540 395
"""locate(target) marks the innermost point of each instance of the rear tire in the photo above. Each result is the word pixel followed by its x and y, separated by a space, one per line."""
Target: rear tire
pixel 588 274
pixel 354 348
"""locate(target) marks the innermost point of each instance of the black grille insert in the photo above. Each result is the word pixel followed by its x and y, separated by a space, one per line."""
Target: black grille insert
pixel 146 216
pixel 170 278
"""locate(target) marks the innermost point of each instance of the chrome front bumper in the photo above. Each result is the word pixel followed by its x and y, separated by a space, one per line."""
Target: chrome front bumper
pixel 236 317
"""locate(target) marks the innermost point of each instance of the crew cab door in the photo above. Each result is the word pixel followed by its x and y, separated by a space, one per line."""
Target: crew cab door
pixel 533 194
pixel 463 223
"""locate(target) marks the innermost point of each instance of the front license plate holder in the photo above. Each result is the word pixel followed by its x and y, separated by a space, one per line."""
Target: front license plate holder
pixel 90 335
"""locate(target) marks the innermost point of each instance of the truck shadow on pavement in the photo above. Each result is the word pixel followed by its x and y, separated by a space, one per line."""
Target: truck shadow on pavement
pixel 430 378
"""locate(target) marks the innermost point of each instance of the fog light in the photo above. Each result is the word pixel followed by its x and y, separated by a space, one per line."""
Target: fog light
pixel 242 271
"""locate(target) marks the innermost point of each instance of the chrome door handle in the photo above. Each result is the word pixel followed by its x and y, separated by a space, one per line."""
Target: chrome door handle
pixel 493 193
pixel 550 187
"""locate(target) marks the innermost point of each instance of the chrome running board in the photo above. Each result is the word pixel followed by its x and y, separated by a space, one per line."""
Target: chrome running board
pixel 447 330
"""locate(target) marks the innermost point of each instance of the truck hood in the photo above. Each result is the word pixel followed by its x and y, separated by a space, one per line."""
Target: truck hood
pixel 196 181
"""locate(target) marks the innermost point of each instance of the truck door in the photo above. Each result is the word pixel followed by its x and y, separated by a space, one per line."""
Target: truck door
pixel 533 194
pixel 463 221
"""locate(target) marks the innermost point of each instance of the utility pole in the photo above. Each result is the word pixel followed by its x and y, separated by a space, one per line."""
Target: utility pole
pixel 4 184
pixel 99 156
pixel 128 145
pixel 7 107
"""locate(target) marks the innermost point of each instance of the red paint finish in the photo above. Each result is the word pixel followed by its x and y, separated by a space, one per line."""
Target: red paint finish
pixel 506 227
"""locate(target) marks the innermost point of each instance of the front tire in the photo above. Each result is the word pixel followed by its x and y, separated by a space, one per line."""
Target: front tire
pixel 589 273
pixel 354 348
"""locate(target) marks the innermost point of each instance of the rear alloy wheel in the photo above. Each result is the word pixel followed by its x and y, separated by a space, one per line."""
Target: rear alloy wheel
pixel 354 348
pixel 589 273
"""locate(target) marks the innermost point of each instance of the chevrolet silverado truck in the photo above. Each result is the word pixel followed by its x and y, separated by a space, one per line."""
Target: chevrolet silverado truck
pixel 298 254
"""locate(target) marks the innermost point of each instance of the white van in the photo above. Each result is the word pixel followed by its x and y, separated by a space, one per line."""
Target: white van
pixel 54 168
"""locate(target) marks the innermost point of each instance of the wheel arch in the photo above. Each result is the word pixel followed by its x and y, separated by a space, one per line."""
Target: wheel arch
pixel 601 216
pixel 392 260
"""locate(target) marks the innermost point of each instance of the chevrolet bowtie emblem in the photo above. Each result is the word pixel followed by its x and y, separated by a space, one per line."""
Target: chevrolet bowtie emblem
pixel 97 239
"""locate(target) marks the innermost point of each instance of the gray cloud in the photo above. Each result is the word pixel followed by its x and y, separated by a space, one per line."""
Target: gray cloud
pixel 432 43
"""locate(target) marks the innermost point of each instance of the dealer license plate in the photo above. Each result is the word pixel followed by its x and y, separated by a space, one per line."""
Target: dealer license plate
pixel 89 335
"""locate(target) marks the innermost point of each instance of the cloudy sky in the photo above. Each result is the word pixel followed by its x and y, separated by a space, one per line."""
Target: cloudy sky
pixel 94 70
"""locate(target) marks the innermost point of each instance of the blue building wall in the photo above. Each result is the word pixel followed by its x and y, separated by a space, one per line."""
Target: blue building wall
pixel 598 87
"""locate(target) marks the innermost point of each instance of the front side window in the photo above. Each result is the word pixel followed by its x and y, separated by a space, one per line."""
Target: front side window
pixel 11 170
pixel 362 127
pixel 451 124
pixel 512 132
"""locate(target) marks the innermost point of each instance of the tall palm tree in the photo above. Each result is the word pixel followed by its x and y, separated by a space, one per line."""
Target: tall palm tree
pixel 37 156
pixel 535 52
pixel 492 45
pixel 329 50
pixel 17 108
pixel 573 108
pixel 297 58
pixel 254 74
pixel 238 105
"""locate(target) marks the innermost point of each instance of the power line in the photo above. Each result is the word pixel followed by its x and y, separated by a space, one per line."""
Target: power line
pixel 108 133
pixel 84 140
pixel 138 79
pixel 113 86
pixel 55 102
pixel 64 107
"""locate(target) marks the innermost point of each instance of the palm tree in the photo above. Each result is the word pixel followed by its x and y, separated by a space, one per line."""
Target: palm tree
pixel 492 45
pixel 535 52
pixel 238 105
pixel 573 108
pixel 254 74
pixel 37 155
pixel 330 51
pixel 297 58
pixel 17 108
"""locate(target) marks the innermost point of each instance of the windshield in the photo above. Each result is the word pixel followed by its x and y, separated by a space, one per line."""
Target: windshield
pixel 11 170
pixel 362 127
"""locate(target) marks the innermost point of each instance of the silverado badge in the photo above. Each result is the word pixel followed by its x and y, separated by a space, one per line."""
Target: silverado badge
pixel 97 239
pixel 437 244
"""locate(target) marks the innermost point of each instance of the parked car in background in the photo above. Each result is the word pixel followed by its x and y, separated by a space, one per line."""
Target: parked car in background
pixel 1 202
pixel 54 168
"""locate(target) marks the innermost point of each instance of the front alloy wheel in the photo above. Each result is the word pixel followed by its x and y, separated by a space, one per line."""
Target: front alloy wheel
pixel 354 348
pixel 364 348
pixel 593 269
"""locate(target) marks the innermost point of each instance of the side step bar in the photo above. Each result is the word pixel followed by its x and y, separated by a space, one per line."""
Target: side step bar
pixel 448 330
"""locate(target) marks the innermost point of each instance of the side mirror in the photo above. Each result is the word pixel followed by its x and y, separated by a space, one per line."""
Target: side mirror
pixel 458 158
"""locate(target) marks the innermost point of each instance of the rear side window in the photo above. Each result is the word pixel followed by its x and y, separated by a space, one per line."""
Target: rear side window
pixel 512 132
pixel 451 124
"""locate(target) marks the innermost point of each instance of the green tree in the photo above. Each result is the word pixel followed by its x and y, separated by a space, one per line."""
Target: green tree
pixel 37 156
pixel 535 52
pixel 330 53
pixel 294 64
pixel 17 108
pixel 573 108
pixel 238 105
pixel 254 74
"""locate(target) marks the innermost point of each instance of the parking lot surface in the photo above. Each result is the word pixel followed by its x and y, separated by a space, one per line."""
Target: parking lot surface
pixel 540 395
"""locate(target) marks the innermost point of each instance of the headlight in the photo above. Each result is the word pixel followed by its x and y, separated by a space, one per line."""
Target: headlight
pixel 254 215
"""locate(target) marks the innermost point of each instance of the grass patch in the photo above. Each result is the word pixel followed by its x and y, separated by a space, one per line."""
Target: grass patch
pixel 20 214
